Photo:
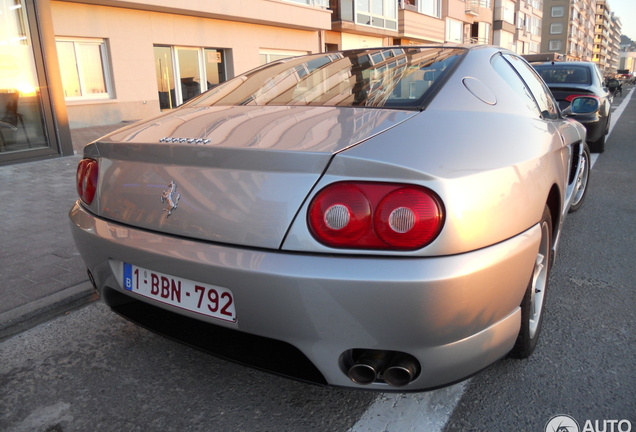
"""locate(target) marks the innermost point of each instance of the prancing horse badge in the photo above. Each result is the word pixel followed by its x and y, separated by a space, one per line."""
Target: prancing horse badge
pixel 171 197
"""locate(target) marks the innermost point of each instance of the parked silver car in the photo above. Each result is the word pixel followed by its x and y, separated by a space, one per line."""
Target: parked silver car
pixel 391 214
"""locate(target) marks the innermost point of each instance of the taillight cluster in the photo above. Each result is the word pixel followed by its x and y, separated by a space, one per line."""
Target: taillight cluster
pixel 86 179
pixel 571 97
pixel 366 215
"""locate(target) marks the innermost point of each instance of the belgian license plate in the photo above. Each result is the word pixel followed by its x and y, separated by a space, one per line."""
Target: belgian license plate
pixel 193 296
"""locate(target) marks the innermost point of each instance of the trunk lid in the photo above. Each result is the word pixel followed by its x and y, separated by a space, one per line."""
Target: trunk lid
pixel 237 174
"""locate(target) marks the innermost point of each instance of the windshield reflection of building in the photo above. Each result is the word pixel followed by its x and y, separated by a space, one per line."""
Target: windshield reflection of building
pixel 396 77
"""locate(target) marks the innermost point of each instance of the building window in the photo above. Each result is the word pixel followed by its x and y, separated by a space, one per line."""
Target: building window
pixel 556 28
pixel 377 13
pixel 521 19
pixel 267 56
pixel 430 7
pixel 483 33
pixel 557 11
pixel 535 29
pixel 555 45
pixel 195 69
pixel 317 3
pixel 84 68
pixel 454 31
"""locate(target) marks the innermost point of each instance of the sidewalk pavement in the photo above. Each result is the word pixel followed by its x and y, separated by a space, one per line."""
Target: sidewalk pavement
pixel 41 272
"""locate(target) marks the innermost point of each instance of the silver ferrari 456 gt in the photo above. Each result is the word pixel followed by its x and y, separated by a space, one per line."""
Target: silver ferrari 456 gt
pixel 390 214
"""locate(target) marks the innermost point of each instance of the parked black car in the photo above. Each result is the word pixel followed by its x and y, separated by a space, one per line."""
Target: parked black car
pixel 568 80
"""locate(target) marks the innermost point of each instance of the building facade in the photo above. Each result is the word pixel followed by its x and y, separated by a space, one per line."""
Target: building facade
pixel 517 25
pixel 607 34
pixel 568 29
pixel 73 64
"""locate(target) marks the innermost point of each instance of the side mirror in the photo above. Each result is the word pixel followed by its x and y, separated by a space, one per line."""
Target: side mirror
pixel 583 105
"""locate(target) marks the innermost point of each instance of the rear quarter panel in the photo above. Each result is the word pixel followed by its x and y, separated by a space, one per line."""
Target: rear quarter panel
pixel 493 165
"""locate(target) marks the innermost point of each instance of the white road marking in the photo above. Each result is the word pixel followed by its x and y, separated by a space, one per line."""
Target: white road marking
pixel 429 411
pixel 616 114
pixel 411 412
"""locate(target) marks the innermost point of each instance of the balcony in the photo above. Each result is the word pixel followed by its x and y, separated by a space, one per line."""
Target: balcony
pixel 413 25
pixel 472 7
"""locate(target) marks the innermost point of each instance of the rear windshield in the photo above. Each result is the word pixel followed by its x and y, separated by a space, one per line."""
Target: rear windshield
pixel 383 77
pixel 554 74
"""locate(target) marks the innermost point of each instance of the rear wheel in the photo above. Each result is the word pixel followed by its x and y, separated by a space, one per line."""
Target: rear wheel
pixel 533 301
pixel 582 177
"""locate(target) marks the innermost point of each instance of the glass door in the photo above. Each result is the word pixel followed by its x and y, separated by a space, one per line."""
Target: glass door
pixel 21 113
pixel 165 77
pixel 189 72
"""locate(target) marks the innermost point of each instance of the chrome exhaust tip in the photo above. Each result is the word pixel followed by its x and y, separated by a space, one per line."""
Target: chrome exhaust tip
pixel 401 371
pixel 366 369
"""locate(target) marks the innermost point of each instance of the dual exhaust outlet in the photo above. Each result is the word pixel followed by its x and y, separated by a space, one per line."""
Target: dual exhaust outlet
pixel 394 368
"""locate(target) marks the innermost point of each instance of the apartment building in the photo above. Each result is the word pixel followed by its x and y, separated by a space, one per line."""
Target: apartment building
pixel 517 25
pixel 368 23
pixel 71 64
pixel 568 28
pixel 607 33
pixel 616 28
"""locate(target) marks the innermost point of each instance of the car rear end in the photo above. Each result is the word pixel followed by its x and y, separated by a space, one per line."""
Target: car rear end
pixel 569 80
pixel 226 215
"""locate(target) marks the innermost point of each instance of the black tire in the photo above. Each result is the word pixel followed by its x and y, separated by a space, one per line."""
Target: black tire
pixel 582 178
pixel 597 146
pixel 532 305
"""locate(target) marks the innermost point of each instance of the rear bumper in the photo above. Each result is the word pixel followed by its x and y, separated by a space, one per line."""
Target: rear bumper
pixel 454 314
pixel 595 125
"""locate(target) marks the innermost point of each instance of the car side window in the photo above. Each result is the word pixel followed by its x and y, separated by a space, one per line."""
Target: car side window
pixel 542 94
pixel 505 71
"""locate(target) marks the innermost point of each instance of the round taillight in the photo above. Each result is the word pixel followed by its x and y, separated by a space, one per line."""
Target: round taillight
pixel 340 216
pixel 408 217
pixel 86 179
pixel 366 215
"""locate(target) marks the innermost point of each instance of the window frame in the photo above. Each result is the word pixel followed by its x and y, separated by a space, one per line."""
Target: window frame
pixel 554 26
pixel 447 36
pixel 105 68
pixel 176 86
pixel 280 54
pixel 555 45
pixel 437 6
pixel 389 14
pixel 554 14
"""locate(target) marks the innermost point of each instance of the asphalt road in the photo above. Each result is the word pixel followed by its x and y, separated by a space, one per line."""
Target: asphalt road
pixel 91 370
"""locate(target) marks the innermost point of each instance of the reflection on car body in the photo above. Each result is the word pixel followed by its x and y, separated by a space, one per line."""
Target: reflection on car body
pixel 391 213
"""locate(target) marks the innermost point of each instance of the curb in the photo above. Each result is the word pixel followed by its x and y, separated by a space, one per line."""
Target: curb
pixel 29 315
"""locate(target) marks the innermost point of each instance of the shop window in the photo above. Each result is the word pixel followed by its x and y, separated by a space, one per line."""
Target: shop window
pixel 84 67
pixel 194 69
